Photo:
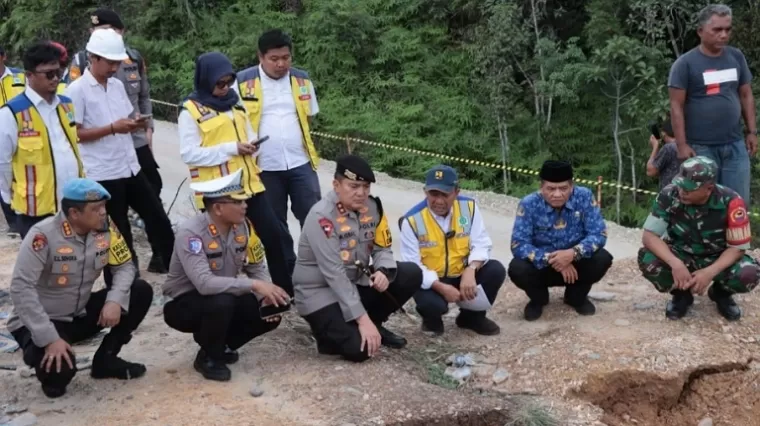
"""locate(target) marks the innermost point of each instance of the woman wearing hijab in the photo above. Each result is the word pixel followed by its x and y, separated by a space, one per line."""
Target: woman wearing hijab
pixel 216 139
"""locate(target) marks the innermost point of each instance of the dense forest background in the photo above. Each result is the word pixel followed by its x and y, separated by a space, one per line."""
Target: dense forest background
pixel 504 81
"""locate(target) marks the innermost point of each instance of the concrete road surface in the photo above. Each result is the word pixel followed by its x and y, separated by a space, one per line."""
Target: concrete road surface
pixel 395 194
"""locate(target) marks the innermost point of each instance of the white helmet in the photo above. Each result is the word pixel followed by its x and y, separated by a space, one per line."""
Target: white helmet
pixel 108 44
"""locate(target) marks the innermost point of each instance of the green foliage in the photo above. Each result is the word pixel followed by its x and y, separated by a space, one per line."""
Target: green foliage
pixel 509 82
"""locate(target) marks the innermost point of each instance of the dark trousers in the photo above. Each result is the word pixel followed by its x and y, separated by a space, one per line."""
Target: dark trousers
pixel 10 215
pixel 276 238
pixel 333 333
pixel 536 282
pixel 149 167
pixel 24 223
pixel 218 321
pixel 84 327
pixel 431 305
pixel 136 192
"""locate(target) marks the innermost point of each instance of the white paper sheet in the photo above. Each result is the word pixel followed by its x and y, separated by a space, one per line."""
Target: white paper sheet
pixel 479 303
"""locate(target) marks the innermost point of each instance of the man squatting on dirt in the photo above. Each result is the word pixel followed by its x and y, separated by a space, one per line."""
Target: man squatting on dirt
pixel 342 297
pixel 697 235
pixel 206 296
pixel 558 240
pixel 51 289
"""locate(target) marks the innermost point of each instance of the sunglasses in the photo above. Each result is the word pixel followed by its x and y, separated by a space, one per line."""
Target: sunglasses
pixel 51 74
pixel 221 84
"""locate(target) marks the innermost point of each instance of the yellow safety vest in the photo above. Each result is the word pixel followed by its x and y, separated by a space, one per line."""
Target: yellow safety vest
pixel 217 128
pixel 444 253
pixel 34 182
pixel 11 86
pixel 61 88
pixel 249 84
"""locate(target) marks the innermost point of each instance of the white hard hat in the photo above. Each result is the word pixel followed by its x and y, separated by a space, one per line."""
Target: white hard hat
pixel 108 44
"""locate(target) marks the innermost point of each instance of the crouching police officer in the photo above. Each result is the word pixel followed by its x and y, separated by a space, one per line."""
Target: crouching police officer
pixel 51 289
pixel 344 300
pixel 207 297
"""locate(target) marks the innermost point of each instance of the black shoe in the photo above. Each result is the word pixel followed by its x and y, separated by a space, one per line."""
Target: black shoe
pixel 433 325
pixel 14 233
pixel 156 265
pixel 390 339
pixel 726 305
pixel 679 306
pixel 53 392
pixel 533 311
pixel 586 308
pixel 211 369
pixel 479 324
pixel 230 356
pixel 116 368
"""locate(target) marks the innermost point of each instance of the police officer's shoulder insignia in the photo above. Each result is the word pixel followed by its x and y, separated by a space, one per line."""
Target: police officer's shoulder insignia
pixel 195 245
pixel 39 242
pixel 66 229
pixel 212 229
pixel 327 226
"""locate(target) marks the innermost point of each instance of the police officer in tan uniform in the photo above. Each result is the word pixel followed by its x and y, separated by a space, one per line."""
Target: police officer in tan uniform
pixel 342 297
pixel 207 298
pixel 51 289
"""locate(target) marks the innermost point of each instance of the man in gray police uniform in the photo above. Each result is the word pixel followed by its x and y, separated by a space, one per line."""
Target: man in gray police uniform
pixel 133 74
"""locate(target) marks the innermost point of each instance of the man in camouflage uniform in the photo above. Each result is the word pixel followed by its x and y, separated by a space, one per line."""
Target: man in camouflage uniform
pixel 697 234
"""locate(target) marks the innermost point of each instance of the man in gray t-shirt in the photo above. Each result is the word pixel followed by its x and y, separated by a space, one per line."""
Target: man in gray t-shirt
pixel 710 93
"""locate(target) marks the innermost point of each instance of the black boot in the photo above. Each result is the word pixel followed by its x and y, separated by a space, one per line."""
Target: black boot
pixel 390 339
pixel 106 365
pixel 585 308
pixel 433 325
pixel 726 305
pixel 533 311
pixel 210 368
pixel 679 306
pixel 156 265
pixel 230 356
pixel 477 322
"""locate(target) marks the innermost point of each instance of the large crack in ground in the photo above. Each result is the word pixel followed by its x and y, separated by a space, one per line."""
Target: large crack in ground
pixel 726 393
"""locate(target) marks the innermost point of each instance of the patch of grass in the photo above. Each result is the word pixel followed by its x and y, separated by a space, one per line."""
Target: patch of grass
pixel 436 376
pixel 528 412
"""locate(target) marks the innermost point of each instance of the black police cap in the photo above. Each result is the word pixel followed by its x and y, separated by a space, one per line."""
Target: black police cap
pixel 106 17
pixel 354 168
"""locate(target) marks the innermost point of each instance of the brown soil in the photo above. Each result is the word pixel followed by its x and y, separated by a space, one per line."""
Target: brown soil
pixel 726 393
pixel 475 418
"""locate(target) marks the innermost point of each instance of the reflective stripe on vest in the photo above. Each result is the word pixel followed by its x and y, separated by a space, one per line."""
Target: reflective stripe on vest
pixel 446 256
pixel 249 84
pixel 33 163
pixel 216 128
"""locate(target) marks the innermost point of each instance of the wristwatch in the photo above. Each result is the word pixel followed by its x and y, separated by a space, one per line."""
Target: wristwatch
pixel 578 254
pixel 751 132
pixel 471 266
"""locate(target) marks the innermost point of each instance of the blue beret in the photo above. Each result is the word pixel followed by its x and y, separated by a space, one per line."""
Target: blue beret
pixel 84 190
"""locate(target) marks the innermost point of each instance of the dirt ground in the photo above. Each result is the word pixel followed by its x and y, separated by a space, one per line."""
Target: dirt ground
pixel 626 365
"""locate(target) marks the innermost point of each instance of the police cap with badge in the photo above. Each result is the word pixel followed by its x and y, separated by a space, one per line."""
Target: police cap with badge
pixel 103 17
pixel 225 187
pixel 353 167
pixel 83 190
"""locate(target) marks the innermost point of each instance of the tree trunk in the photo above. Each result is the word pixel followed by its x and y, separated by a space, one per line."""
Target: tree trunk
pixel 618 151
pixel 504 140
pixel 633 168
pixel 534 14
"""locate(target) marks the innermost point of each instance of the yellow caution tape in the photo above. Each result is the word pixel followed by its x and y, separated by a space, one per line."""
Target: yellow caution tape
pixel 463 160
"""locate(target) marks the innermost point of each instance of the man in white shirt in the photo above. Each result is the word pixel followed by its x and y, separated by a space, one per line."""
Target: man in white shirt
pixel 280 101
pixel 446 237
pixel 38 143
pixel 102 110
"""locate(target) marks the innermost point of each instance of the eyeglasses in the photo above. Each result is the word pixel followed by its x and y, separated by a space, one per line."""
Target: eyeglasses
pixel 221 84
pixel 51 74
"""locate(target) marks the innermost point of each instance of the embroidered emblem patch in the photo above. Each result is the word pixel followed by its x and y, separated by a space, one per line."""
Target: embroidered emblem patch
pixel 39 242
pixel 327 226
pixel 194 244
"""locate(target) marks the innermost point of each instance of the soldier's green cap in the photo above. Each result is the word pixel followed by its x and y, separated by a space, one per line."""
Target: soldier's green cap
pixel 695 172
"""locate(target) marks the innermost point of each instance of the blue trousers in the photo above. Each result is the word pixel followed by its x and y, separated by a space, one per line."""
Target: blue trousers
pixel 733 165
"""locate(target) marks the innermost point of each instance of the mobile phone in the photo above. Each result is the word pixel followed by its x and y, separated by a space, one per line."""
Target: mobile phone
pixel 144 117
pixel 259 141
pixel 655 129
pixel 269 311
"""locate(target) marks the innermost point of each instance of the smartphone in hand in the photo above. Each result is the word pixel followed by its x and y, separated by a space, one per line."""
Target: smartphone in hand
pixel 269 311
pixel 655 129
pixel 259 141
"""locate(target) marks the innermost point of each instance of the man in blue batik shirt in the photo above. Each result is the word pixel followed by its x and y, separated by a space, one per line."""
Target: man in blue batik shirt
pixel 558 240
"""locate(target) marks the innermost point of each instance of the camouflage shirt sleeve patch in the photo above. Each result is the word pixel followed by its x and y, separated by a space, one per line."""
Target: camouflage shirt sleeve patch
pixel 738 232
